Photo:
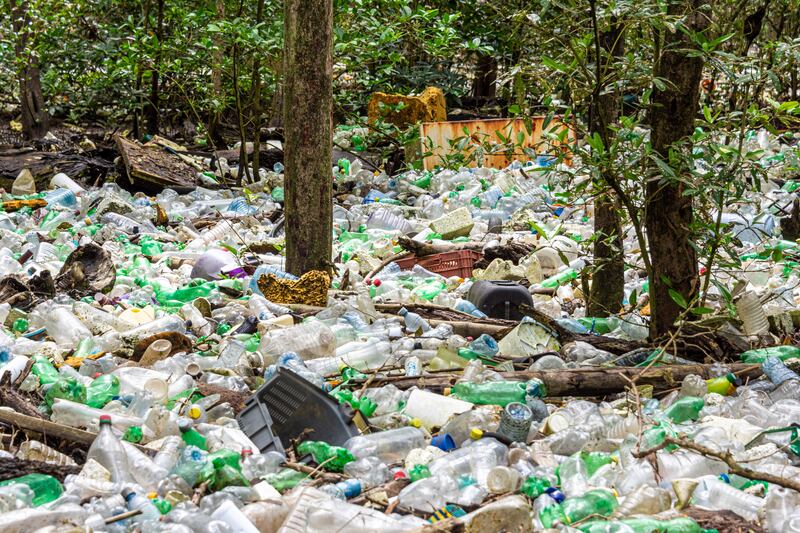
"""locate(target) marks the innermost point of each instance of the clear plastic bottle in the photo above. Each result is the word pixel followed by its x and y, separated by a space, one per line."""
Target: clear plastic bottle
pixel 780 507
pixel 751 312
pixel 693 385
pixel 107 450
pixel 714 494
pixel 413 321
pixel 686 464
pixel 309 340
pixel 139 502
pixel 170 453
pixel 392 445
pixel 372 471
pixel 646 500
pixel 429 494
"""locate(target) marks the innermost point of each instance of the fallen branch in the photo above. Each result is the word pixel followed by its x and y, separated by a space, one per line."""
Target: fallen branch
pixel 52 429
pixel 14 468
pixel 375 271
pixel 421 249
pixel 580 381
pixel 727 458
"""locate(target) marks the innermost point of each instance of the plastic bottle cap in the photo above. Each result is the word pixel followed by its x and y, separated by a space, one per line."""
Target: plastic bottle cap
pixel 105 419
pixel 475 433
pixel 376 282
pixel 415 422
pixel 195 412
pixel 152 495
pixel 447 391
pixel 399 474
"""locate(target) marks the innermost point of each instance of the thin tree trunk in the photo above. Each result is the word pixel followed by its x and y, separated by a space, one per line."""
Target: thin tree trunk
pixel 668 211
pixel 152 107
pixel 484 86
pixel 35 119
pixel 307 111
pixel 255 99
pixel 608 281
pixel 214 137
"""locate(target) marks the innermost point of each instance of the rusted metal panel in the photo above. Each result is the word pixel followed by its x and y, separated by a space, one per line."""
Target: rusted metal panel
pixel 502 140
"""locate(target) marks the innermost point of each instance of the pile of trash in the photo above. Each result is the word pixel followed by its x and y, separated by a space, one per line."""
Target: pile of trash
pixel 161 371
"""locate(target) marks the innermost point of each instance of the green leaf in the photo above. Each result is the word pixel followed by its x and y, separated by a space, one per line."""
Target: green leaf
pixel 701 310
pixel 678 298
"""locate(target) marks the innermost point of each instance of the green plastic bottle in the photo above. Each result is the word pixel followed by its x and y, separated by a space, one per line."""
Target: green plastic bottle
pixel 230 457
pixel 133 434
pixel 533 487
pixel 594 502
pixel 643 525
pixel 565 276
pixel 499 393
pixel 417 472
pixel 162 505
pixel 333 457
pixel 595 460
pixel 44 370
pixel 226 476
pixel 429 289
pixel 102 390
pixel 191 436
pixel 45 488
pixel 285 479
pixel 762 354
pixel 724 385
pixel 66 388
pixel 686 408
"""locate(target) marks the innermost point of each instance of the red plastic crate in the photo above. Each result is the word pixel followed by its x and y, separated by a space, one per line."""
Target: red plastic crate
pixel 447 264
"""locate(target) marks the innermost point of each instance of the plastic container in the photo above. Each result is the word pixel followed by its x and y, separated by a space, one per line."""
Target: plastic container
pixel 447 264
pixel 499 299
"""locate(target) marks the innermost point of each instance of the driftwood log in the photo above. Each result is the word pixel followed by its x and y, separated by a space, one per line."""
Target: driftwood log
pixel 13 468
pixel 581 381
pixel 421 249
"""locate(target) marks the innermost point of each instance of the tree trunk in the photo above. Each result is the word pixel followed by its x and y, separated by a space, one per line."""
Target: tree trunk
pixel 484 86
pixel 608 279
pixel 214 137
pixel 35 119
pixel 152 106
pixel 668 210
pixel 308 131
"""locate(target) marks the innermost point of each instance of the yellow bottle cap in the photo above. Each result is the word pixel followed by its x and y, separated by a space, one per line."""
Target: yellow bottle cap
pixel 475 433
pixel 152 495
pixel 194 412
pixel 415 422
pixel 447 391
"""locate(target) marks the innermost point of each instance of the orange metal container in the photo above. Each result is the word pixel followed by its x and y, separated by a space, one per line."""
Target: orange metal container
pixel 507 138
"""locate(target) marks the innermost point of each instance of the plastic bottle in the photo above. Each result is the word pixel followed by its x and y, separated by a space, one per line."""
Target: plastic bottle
pixel 724 385
pixel 713 493
pixel 429 494
pixel 308 340
pixel 190 435
pixel 45 488
pixel 498 392
pixel 684 464
pixel 780 505
pixel 594 502
pixel 390 446
pixel 751 312
pixel 413 321
pixel 107 450
pixel 331 458
pixel 371 471
pixel 693 385
pixel 102 390
pixel 139 502
pixel 44 370
pixel 643 525
pixel 465 306
pixel 170 453
pixel 686 408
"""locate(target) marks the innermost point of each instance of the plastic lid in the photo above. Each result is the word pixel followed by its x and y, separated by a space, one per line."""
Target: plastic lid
pixel 376 282
pixel 152 495
pixel 447 391
pixel 415 422
pixel 105 419
pixel 246 452
pixel 195 412
pixel 731 377
pixel 475 433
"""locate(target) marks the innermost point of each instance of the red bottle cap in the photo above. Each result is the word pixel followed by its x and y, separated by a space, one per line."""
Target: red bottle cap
pixel 376 282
